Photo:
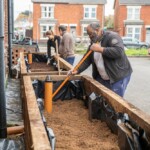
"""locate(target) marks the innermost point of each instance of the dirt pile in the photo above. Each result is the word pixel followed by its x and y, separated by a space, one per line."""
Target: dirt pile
pixel 74 131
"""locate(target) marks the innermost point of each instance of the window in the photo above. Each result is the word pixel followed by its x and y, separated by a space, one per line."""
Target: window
pixel 47 11
pixel 44 28
pixel 90 12
pixel 84 31
pixel 134 32
pixel 133 13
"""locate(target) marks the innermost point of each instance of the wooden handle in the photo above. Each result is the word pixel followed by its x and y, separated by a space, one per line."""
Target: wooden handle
pixel 15 130
pixel 58 63
pixel 68 77
pixel 82 60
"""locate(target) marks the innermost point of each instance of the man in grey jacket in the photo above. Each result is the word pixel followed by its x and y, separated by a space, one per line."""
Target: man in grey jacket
pixel 66 47
pixel 111 66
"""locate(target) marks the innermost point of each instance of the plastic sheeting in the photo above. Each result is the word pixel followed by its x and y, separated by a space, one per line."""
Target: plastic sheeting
pixel 14 115
pixel 130 135
pixel 104 112
pixel 16 143
pixel 72 89
pixel 39 58
pixel 13 103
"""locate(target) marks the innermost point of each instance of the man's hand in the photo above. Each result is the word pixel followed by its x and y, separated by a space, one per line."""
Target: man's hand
pixel 96 47
pixel 72 72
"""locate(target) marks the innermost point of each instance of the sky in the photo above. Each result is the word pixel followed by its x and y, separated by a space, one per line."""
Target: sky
pixel 22 5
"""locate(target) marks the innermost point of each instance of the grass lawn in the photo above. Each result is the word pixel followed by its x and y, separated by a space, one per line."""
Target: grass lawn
pixel 129 52
pixel 136 52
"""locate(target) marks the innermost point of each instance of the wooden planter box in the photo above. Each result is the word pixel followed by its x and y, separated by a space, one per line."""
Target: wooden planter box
pixel 48 69
pixel 36 136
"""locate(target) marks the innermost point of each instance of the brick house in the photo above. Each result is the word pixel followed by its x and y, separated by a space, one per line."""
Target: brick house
pixel 75 14
pixel 132 19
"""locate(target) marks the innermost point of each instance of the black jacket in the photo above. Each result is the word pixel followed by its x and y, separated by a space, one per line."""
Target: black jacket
pixel 116 62
pixel 52 43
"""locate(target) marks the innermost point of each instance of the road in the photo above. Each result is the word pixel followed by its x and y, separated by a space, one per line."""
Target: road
pixel 138 90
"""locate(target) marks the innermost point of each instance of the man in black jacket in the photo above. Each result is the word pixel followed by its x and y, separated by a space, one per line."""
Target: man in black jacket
pixel 111 66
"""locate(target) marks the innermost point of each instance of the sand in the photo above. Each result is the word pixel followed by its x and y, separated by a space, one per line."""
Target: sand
pixel 74 131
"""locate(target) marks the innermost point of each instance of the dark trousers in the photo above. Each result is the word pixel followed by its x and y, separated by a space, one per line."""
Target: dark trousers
pixel 70 60
pixel 118 87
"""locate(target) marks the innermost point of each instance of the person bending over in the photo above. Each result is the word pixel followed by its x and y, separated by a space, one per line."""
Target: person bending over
pixel 51 42
pixel 110 65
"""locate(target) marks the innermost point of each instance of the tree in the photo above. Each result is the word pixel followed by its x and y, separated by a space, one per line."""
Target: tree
pixel 109 21
pixel 26 13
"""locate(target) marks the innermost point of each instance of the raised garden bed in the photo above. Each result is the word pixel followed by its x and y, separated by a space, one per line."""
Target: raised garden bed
pixel 70 122
pixel 42 67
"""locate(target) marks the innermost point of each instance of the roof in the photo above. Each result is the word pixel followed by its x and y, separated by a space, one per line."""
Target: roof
pixel 71 1
pixel 134 2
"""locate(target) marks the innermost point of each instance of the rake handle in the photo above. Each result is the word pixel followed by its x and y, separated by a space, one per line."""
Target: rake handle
pixel 68 77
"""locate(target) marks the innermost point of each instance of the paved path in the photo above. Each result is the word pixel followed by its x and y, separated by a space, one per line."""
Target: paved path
pixel 138 90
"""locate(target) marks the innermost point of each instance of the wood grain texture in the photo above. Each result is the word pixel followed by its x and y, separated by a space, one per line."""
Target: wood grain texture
pixel 118 103
pixel 35 132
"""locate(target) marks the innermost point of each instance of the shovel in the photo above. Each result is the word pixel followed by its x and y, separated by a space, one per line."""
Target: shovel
pixel 76 68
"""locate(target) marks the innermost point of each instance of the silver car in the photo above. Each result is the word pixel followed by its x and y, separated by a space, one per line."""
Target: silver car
pixel 134 43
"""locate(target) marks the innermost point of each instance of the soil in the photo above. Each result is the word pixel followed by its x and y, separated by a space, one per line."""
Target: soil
pixel 41 67
pixel 73 130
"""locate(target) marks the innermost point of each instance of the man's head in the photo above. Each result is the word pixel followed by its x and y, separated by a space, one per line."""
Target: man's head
pixel 50 34
pixel 62 29
pixel 94 31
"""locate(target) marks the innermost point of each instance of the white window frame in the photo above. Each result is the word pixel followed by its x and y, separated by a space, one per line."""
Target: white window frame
pixel 47 11
pixel 133 32
pixel 64 24
pixel 72 25
pixel 47 28
pixel 132 16
pixel 90 11
pixel 84 26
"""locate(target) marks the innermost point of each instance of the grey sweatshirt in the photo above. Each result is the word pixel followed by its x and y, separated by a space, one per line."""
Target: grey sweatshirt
pixel 66 47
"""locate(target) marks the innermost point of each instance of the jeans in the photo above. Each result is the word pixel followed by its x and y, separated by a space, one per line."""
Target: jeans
pixel 70 60
pixel 118 87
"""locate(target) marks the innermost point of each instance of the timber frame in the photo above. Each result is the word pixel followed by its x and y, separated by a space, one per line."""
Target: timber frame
pixel 63 65
pixel 34 129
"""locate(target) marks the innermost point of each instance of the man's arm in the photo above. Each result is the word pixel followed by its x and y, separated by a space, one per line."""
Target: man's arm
pixel 115 48
pixel 86 63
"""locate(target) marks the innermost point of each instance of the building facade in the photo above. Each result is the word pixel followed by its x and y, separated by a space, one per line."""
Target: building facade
pixel 75 14
pixel 132 19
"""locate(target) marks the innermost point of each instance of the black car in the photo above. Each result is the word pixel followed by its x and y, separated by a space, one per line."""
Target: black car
pixel 134 43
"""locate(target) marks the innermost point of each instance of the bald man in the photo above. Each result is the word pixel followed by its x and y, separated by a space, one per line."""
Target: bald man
pixel 110 65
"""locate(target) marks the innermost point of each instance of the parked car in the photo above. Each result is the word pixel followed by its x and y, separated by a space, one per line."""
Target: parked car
pixel 25 41
pixel 134 43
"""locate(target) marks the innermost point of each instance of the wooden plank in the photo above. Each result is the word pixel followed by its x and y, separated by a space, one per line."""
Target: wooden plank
pixel 22 64
pixel 40 53
pixel 55 78
pixel 118 103
pixel 38 133
pixel 63 64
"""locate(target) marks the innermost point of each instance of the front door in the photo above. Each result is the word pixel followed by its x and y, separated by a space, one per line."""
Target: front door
pixel 148 35
pixel 73 30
